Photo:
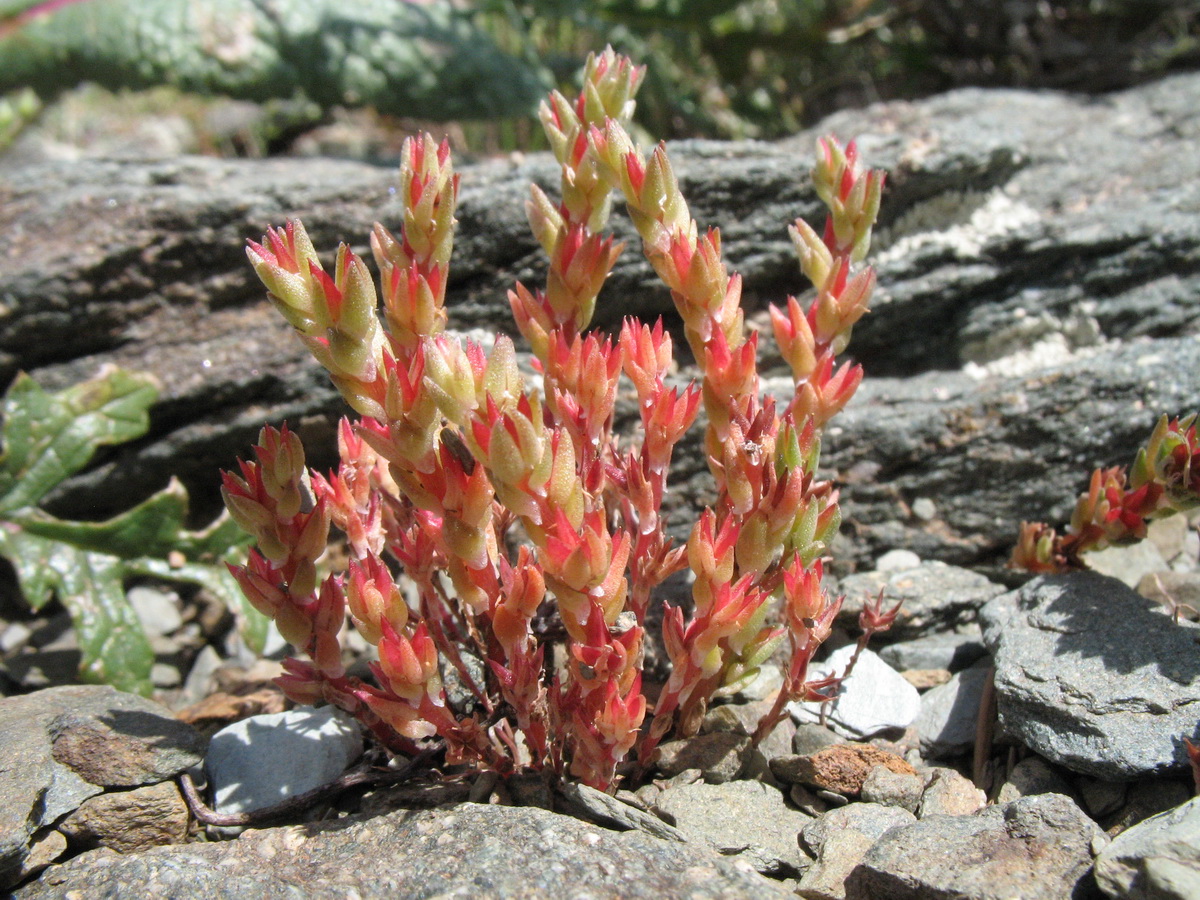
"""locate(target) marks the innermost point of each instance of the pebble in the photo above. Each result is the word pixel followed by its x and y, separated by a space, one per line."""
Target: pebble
pixel 953 650
pixel 720 756
pixel 839 840
pixel 950 713
pixel 888 788
pixel 875 698
pixel 746 819
pixel 842 768
pixel 949 793
pixel 158 609
pixel 266 759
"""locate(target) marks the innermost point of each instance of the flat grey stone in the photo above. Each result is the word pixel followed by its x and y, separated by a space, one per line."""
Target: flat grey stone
pixel 130 820
pixel 744 818
pixel 1100 797
pixel 950 714
pixel 888 788
pixel 468 851
pixel 66 744
pixel 874 698
pixel 1033 775
pixel 1128 564
pixel 1158 859
pixel 265 759
pixel 1173 590
pixel 872 819
pixel 936 597
pixel 613 813
pixel 1094 677
pixel 949 793
pixel 157 609
pixel 951 650
pixel 720 756
pixel 811 737
pixel 1145 798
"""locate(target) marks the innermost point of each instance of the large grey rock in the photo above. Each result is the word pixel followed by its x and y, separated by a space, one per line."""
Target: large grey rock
pixel 1002 229
pixel 1158 859
pixel 1094 677
pixel 1032 847
pixel 472 850
pixel 66 744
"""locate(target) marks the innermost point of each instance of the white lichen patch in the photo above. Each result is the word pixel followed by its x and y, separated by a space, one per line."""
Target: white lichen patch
pixel 1049 352
pixel 960 221
pixel 1033 341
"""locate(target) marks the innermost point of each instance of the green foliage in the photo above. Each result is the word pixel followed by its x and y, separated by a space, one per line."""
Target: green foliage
pixel 16 110
pixel 764 68
pixel 402 58
pixel 48 438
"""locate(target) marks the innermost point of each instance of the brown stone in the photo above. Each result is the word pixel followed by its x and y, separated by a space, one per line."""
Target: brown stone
pixel 218 710
pixel 949 793
pixel 126 821
pixel 924 679
pixel 842 768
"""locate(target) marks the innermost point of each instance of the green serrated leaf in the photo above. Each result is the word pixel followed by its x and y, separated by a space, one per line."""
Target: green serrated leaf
pixel 155 527
pixel 49 437
pixel 91 586
pixel 24 552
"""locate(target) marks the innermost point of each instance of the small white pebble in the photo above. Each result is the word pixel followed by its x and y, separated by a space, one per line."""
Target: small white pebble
pixel 897 561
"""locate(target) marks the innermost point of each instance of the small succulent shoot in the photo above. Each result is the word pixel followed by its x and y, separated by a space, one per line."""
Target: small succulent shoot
pixel 1119 504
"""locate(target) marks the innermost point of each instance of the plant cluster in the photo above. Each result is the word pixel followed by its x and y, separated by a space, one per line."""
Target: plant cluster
pixel 532 535
pixel 1119 503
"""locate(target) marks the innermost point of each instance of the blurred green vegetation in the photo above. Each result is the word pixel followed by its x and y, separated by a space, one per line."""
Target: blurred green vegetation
pixel 765 68
pixel 717 68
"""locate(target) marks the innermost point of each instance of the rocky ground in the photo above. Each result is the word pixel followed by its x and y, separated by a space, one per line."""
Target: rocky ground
pixel 1039 755
pixel 1038 310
